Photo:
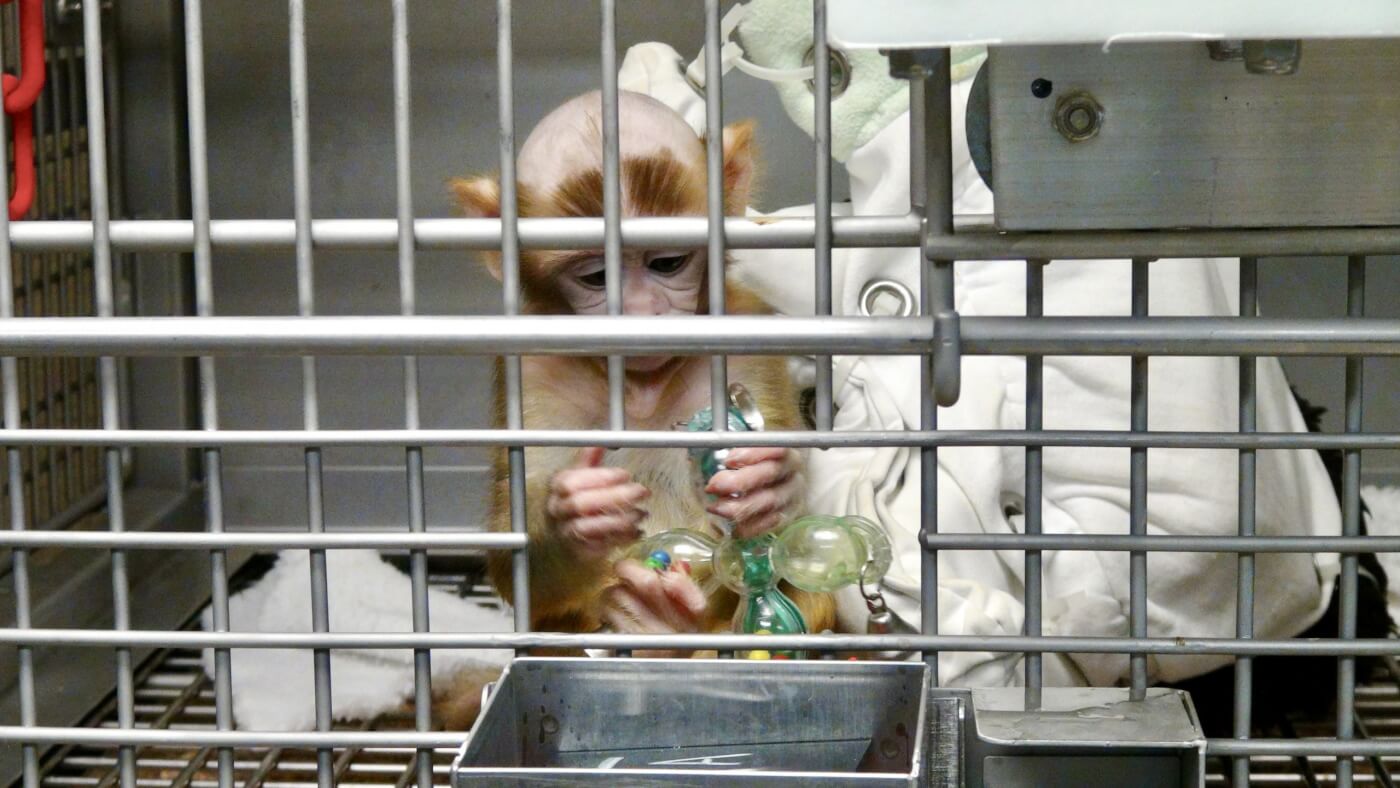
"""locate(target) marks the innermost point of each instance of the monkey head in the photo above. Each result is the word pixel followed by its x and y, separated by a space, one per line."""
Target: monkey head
pixel 559 174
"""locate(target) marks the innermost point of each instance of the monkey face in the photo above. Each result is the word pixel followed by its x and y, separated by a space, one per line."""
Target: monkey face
pixel 653 283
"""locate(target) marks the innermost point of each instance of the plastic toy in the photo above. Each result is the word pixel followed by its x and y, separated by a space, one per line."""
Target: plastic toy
pixel 815 553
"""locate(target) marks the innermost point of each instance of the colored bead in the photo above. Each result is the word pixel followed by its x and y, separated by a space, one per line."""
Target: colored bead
pixel 659 560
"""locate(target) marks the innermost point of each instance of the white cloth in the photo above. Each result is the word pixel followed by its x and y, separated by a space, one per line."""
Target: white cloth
pixel 274 689
pixel 1084 490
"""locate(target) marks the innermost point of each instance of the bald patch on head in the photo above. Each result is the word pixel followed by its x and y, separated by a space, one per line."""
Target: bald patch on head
pixel 568 142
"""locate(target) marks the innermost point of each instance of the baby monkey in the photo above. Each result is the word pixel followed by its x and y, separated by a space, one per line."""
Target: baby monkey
pixel 584 505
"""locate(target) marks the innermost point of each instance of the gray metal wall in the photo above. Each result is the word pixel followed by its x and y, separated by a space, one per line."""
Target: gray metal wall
pixel 453 60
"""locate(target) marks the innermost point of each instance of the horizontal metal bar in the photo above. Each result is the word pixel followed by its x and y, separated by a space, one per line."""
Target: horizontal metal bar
pixel 336 540
pixel 478 335
pixel 692 335
pixel 1156 244
pixel 975 239
pixel 1179 336
pixel 110 737
pixel 1162 543
pixel 508 541
pixel 174 235
pixel 1303 747
pixel 114 737
pixel 656 439
pixel 100 638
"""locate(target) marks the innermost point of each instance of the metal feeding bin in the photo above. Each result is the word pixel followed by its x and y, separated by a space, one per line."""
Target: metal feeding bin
pixel 686 722
pixel 737 722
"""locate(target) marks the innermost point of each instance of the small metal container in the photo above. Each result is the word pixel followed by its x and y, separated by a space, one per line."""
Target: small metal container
pixel 631 722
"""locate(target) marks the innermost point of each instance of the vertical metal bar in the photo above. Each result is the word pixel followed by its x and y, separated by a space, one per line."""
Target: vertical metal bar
pixel 1244 596
pixel 1351 522
pixel 714 185
pixel 306 306
pixel 510 287
pixel 821 133
pixel 612 207
pixel 105 298
pixel 19 557
pixel 408 286
pixel 1137 482
pixel 208 390
pixel 936 294
pixel 1035 368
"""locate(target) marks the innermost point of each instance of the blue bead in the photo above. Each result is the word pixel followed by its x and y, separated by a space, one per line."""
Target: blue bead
pixel 661 559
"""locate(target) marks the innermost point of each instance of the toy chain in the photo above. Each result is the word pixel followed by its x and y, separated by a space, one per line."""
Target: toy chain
pixel 20 94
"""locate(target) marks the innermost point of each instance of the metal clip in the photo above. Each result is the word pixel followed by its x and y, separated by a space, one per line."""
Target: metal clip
pixel 947 358
pixel 881 621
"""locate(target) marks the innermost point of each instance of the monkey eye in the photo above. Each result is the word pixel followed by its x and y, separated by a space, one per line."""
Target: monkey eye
pixel 596 280
pixel 668 264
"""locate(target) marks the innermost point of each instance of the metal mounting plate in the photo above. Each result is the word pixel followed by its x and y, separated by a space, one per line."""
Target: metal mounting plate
pixel 899 24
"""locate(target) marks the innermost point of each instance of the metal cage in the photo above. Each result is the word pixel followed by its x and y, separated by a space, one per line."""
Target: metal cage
pixel 116 357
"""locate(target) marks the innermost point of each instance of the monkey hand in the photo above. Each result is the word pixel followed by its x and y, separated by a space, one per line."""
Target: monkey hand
pixel 757 489
pixel 645 601
pixel 593 508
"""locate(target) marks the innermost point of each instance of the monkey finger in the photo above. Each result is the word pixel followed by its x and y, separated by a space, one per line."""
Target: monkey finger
pixel 594 537
pixel 756 503
pixel 672 596
pixel 758 526
pixel 625 613
pixel 749 478
pixel 752 455
pixel 602 500
pixel 572 481
pixel 591 457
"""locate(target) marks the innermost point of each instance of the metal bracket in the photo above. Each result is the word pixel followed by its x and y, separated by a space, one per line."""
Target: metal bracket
pixel 947 358
pixel 1267 56
pixel 914 63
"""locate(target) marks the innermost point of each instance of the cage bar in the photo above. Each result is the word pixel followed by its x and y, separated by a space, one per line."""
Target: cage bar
pixel 1183 646
pixel 671 439
pixel 413 455
pixel 1351 522
pixel 1244 596
pixel 1137 568
pixel 306 306
pixel 936 295
pixel 105 296
pixel 716 240
pixel 612 207
pixel 1035 369
pixel 509 240
pixel 208 387
pixel 14 481
pixel 821 135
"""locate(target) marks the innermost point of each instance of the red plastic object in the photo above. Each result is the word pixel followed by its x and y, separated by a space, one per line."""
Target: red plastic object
pixel 20 94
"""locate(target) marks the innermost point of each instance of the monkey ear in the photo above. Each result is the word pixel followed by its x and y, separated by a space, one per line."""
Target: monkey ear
pixel 479 197
pixel 738 166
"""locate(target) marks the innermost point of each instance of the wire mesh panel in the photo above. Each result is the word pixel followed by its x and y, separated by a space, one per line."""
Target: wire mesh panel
pixel 61 482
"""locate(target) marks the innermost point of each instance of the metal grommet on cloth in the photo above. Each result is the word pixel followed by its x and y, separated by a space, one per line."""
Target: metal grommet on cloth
pixel 840 70
pixel 873 291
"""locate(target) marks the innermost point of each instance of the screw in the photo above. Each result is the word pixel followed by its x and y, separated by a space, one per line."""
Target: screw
pixel 549 724
pixel 1078 116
